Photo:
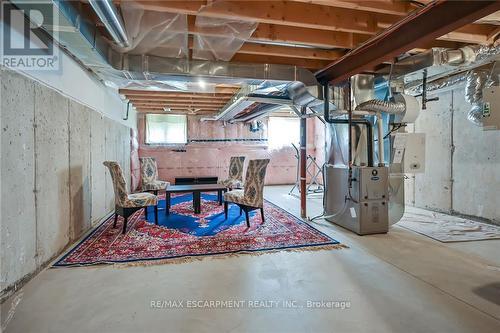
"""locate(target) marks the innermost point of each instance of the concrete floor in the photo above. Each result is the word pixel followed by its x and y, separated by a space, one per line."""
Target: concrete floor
pixel 398 282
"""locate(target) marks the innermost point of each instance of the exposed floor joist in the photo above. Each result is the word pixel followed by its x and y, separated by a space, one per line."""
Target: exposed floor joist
pixel 326 27
pixel 434 20
pixel 178 102
pixel 329 17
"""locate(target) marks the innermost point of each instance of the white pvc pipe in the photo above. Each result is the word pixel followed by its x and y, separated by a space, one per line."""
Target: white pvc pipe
pixel 380 141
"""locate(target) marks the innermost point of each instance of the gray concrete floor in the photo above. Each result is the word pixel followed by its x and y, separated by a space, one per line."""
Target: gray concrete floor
pixel 398 282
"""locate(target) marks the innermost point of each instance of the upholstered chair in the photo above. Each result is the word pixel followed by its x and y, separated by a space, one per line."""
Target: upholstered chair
pixel 126 204
pixel 252 196
pixel 235 179
pixel 149 176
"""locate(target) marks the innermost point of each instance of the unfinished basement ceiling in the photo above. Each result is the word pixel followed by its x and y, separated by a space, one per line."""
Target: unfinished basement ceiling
pixel 178 102
pixel 197 39
pixel 304 33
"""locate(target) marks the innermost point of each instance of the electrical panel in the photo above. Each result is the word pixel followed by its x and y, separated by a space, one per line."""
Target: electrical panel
pixel 491 107
pixel 408 149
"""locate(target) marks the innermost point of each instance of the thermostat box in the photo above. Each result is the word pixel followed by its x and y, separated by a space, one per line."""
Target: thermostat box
pixel 491 106
pixel 408 149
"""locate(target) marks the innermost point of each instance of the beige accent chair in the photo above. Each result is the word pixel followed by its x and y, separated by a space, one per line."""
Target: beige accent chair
pixel 252 196
pixel 126 204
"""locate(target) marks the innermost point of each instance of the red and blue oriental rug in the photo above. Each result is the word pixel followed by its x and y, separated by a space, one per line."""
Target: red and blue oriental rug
pixel 183 235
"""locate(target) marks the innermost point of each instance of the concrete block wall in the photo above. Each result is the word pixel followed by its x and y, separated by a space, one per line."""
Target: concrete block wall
pixel 462 167
pixel 54 186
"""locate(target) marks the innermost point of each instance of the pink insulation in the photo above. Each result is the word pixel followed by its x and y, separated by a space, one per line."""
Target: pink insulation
pixel 212 158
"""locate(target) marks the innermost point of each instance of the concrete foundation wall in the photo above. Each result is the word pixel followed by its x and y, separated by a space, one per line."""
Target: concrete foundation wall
pixel 462 167
pixel 54 186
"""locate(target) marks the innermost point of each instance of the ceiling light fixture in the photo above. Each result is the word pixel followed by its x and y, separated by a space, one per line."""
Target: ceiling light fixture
pixel 202 83
pixel 167 109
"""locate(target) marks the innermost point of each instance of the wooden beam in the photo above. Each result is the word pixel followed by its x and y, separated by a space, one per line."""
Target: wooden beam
pixel 179 109
pixel 492 36
pixel 400 8
pixel 261 59
pixel 221 91
pixel 434 20
pixel 306 36
pixel 205 99
pixel 280 12
pixel 358 17
pixel 155 99
pixel 179 105
pixel 289 52
pixel 473 33
pixel 180 102
pixel 141 111
pixel 293 35
pixel 284 51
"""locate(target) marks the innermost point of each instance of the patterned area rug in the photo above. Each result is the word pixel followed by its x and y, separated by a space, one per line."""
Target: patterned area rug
pixel 183 235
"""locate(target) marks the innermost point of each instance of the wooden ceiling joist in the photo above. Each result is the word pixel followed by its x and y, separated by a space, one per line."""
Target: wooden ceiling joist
pixel 178 102
pixel 179 105
pixel 179 112
pixel 262 59
pixel 159 99
pixel 285 51
pixel 400 8
pixel 218 91
pixel 434 20
pixel 280 12
pixel 328 27
pixel 337 16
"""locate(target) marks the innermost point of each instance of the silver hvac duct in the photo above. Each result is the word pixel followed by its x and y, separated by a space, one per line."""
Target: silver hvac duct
pixel 476 81
pixel 376 105
pixel 112 20
pixel 81 38
pixel 294 94
pixel 143 67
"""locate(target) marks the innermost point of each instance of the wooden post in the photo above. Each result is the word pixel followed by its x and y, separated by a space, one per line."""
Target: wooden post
pixel 303 160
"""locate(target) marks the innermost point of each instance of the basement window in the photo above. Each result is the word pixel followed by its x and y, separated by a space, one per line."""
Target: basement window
pixel 283 131
pixel 164 129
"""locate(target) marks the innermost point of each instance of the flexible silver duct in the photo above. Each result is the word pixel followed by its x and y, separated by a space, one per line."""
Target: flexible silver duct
pixel 441 83
pixel 477 80
pixel 112 20
pixel 377 105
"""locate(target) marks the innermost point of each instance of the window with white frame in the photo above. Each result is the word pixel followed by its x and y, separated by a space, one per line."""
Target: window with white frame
pixel 283 131
pixel 166 129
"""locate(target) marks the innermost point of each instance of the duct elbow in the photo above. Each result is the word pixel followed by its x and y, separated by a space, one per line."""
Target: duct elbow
pixel 377 106
pixel 404 107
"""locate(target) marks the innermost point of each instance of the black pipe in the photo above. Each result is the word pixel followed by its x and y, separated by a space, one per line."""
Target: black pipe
pixel 326 108
pixel 349 117
pixel 369 136
pixel 128 108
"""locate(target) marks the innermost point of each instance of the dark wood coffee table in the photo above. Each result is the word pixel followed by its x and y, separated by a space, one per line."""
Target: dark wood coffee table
pixel 196 189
